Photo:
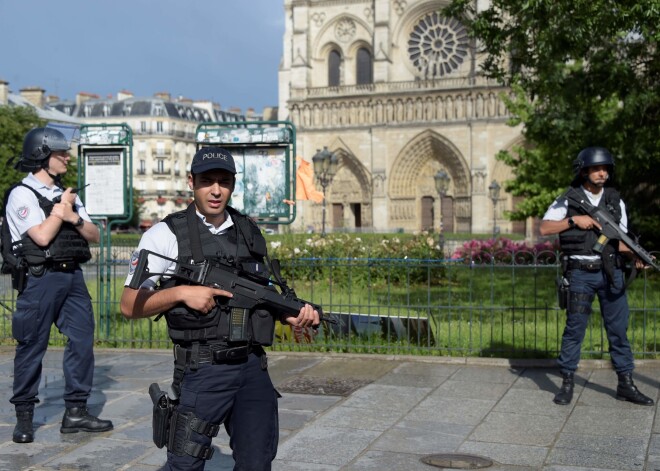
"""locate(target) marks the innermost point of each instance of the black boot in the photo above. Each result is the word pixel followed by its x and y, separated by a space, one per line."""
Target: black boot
pixel 23 432
pixel 627 391
pixel 78 418
pixel 565 394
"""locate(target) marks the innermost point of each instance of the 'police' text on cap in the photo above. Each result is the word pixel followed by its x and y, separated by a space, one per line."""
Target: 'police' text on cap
pixel 212 158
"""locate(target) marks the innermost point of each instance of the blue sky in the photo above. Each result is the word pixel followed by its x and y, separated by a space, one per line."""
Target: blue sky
pixel 227 51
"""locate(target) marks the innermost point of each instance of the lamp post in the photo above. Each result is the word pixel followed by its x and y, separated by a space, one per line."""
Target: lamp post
pixel 325 167
pixel 441 186
pixel 494 193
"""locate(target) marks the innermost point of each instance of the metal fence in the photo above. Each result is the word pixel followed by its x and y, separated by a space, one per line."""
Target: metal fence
pixel 491 305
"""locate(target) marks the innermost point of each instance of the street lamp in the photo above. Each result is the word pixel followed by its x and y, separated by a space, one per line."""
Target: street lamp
pixel 325 167
pixel 441 186
pixel 494 193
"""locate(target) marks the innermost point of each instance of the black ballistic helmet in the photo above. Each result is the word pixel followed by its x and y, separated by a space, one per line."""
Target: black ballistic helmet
pixel 38 145
pixel 590 157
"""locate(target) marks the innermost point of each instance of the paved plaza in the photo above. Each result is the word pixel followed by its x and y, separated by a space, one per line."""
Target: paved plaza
pixel 363 412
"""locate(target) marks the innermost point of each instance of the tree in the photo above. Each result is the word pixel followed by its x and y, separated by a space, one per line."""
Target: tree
pixel 582 73
pixel 15 122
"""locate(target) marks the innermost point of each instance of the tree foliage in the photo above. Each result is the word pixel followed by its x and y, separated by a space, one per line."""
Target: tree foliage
pixel 582 73
pixel 15 121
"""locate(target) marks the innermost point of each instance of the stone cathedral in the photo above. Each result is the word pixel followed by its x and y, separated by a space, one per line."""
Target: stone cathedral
pixel 393 88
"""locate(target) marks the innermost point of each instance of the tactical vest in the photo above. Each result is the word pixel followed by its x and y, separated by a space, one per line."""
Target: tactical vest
pixel 67 245
pixel 242 246
pixel 576 241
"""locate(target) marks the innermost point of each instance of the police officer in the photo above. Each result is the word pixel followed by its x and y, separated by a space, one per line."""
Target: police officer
pixel 218 378
pixel 51 240
pixel 593 273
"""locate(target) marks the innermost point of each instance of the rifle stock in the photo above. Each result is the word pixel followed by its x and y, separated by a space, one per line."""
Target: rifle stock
pixel 609 228
pixel 249 291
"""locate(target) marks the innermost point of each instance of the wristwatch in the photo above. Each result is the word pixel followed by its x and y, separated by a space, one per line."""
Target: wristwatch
pixel 571 223
pixel 79 222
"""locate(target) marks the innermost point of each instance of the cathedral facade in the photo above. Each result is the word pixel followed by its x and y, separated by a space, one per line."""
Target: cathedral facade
pixel 393 89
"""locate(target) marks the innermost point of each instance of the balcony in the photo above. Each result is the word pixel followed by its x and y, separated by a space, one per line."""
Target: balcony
pixel 390 88
pixel 162 153
pixel 161 171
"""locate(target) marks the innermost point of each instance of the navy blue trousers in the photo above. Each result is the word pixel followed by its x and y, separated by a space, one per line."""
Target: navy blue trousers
pixel 59 298
pixel 614 309
pixel 241 395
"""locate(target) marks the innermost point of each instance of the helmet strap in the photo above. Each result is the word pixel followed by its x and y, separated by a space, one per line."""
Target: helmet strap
pixel 56 178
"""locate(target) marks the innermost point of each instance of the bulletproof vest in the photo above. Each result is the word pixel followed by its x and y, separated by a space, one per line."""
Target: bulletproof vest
pixel 67 245
pixel 575 241
pixel 242 246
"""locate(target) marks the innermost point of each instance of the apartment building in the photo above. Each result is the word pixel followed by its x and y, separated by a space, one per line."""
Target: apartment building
pixel 163 140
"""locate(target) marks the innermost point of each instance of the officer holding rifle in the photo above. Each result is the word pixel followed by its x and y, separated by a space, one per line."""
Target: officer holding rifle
pixel 220 374
pixel 592 266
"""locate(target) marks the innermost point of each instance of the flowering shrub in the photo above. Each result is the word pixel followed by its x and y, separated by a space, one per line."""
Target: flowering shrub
pixel 348 259
pixel 423 245
pixel 503 250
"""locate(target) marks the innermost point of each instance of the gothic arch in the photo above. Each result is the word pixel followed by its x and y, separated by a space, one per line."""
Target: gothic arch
pixel 412 186
pixel 412 163
pixel 326 35
pixel 350 171
pixel 351 188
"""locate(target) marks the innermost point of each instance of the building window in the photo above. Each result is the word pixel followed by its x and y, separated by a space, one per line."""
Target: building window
pixel 437 45
pixel 334 68
pixel 143 126
pixel 160 166
pixel 142 169
pixel 159 126
pixel 364 66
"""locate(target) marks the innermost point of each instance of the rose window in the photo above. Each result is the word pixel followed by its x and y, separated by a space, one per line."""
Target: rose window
pixel 437 45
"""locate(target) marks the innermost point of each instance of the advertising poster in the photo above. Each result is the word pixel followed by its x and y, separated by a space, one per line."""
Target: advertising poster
pixel 261 182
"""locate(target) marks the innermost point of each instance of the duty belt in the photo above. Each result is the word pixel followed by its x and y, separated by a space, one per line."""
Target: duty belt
pixel 62 266
pixel 214 354
pixel 587 265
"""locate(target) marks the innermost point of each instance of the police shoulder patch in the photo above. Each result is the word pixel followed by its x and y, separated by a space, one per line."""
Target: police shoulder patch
pixel 133 263
pixel 23 212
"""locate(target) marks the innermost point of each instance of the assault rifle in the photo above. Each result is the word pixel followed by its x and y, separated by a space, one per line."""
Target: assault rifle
pixel 249 290
pixel 609 228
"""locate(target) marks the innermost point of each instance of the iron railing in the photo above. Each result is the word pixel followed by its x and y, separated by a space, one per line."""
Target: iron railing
pixel 493 305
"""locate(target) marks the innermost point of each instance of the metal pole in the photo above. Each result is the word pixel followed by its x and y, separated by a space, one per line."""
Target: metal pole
pixel 494 218
pixel 442 231
pixel 323 184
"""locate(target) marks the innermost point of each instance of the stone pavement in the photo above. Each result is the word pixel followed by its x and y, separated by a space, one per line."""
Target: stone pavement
pixel 363 412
